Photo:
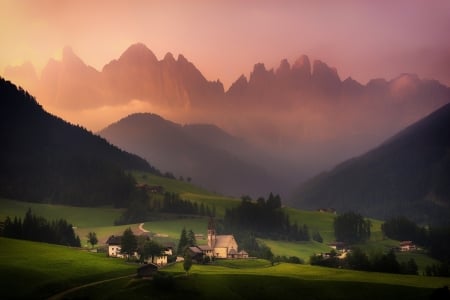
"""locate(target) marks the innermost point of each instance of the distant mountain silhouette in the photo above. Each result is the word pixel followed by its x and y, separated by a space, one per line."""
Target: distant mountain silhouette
pixel 45 159
pixel 409 175
pixel 205 153
pixel 302 112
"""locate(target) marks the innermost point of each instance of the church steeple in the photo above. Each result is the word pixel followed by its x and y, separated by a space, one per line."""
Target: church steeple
pixel 211 233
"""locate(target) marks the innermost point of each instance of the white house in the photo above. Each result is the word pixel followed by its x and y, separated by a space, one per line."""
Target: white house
pixel 162 259
pixel 406 246
pixel 114 243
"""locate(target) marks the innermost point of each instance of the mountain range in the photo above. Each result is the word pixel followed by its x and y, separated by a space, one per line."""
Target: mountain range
pixel 301 111
pixel 408 174
pixel 296 119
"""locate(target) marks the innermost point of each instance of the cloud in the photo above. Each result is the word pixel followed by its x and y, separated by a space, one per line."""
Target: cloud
pixel 98 118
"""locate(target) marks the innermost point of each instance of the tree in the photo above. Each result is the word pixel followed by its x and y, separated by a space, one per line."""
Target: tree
pixel 317 237
pixel 351 228
pixel 191 238
pixel 183 242
pixel 409 267
pixel 92 239
pixel 128 242
pixel 401 228
pixel 386 263
pixel 151 249
pixel 187 263
pixel 358 260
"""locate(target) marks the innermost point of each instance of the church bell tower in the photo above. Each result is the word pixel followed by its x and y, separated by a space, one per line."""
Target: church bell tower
pixel 211 233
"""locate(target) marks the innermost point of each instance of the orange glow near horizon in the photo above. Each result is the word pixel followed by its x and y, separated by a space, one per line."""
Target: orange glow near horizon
pixel 362 39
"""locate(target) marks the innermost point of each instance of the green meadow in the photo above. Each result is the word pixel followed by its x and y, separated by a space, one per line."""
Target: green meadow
pixel 77 216
pixel 258 279
pixel 37 270
pixel 168 226
pixel 31 270
pixel 189 191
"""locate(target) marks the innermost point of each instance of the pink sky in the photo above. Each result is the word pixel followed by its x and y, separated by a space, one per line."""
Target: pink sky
pixel 224 39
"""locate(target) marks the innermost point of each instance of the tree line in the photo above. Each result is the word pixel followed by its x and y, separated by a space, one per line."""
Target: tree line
pixel 145 205
pixel 435 239
pixel 357 259
pixel 351 227
pixel 264 218
pixel 39 229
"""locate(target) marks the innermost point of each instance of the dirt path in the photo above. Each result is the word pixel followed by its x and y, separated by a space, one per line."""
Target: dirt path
pixel 141 228
pixel 66 292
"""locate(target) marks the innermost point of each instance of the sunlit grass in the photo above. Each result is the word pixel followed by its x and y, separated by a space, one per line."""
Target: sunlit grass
pixel 77 216
pixel 29 269
pixel 302 249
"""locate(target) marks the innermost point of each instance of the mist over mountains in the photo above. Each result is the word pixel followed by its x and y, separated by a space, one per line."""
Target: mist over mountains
pixel 302 114
pixel 202 153
pixel 408 174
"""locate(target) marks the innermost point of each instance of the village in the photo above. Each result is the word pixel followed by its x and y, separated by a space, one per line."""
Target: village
pixel 217 247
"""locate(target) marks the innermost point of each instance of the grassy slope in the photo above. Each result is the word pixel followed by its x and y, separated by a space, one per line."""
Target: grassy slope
pixel 100 220
pixel 77 216
pixel 37 270
pixel 257 279
pixel 189 191
pixel 46 269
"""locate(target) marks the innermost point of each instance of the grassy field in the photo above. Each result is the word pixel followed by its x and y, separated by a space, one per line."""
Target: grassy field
pixel 100 220
pixel 258 279
pixel 77 216
pixel 30 270
pixel 189 192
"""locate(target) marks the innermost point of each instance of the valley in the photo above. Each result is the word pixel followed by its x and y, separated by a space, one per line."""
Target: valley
pixel 290 278
pixel 225 150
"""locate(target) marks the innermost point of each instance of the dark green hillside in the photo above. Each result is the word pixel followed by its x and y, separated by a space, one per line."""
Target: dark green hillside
pixel 407 175
pixel 45 159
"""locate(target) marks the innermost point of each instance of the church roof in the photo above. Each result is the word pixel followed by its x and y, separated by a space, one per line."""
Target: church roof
pixel 204 247
pixel 225 241
pixel 195 250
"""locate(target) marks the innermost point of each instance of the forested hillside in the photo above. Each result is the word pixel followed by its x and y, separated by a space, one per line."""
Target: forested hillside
pixel 408 175
pixel 45 159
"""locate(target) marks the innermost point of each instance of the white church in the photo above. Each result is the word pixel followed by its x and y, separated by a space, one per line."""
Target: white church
pixel 220 246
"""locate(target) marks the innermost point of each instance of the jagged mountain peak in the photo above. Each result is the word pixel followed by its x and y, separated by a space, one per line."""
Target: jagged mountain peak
pixel 302 62
pixel 69 57
pixel 284 68
pixel 321 68
pixel 169 57
pixel 138 53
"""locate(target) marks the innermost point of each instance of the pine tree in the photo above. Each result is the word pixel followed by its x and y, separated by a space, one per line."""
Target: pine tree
pixel 92 238
pixel 191 238
pixel 183 242
pixel 128 243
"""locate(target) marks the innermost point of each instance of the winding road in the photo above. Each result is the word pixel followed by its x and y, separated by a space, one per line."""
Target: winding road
pixel 66 292
pixel 141 228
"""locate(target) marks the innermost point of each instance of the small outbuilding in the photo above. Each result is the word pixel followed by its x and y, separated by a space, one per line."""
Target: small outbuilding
pixel 147 270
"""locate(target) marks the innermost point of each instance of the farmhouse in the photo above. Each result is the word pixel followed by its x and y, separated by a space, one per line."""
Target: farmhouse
pixel 337 246
pixel 114 247
pixel 406 246
pixel 162 259
pixel 114 243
